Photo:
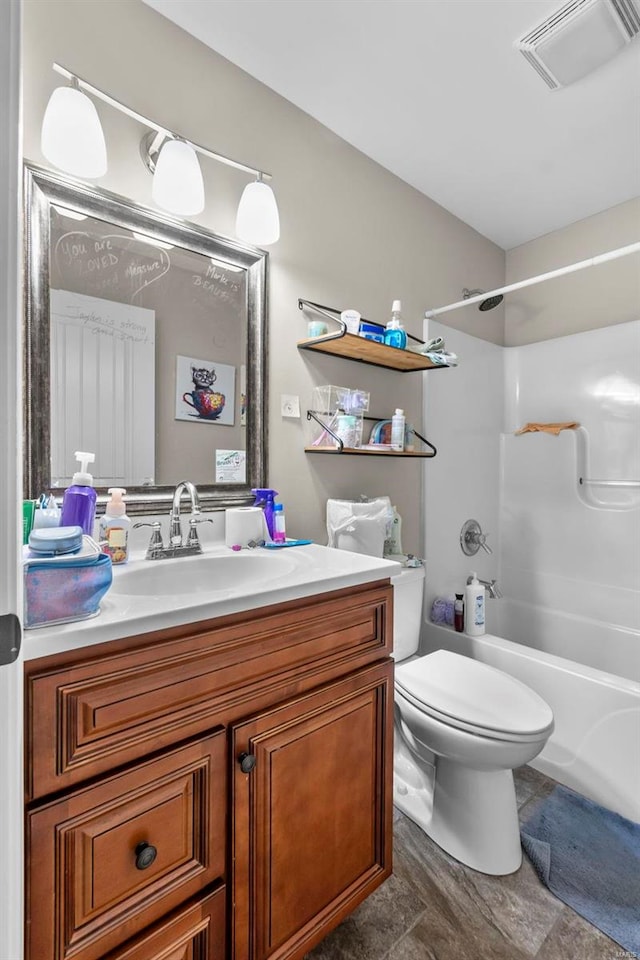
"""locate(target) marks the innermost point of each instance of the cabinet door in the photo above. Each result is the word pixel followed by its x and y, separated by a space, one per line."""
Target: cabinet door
pixel 312 817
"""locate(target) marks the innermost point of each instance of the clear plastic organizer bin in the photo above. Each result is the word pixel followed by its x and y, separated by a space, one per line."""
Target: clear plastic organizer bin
pixel 341 410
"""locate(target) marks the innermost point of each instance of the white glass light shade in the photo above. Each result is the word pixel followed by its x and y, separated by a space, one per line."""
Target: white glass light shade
pixel 177 182
pixel 72 137
pixel 258 221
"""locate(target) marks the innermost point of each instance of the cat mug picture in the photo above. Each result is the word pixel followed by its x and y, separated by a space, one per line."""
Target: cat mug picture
pixel 205 391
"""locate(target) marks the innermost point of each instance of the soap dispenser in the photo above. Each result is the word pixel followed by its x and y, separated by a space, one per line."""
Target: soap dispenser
pixel 395 335
pixel 114 527
pixel 79 501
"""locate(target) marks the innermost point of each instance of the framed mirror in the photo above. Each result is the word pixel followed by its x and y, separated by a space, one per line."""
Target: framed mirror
pixel 145 344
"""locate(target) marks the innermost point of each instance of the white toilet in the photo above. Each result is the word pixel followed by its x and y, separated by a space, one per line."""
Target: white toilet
pixel 460 729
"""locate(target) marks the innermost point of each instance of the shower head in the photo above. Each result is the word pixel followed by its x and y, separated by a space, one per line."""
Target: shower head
pixel 487 304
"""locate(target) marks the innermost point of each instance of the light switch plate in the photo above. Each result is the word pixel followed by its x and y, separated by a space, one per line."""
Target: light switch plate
pixel 290 405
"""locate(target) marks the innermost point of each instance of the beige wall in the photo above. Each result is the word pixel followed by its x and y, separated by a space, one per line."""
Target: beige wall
pixel 585 300
pixel 353 235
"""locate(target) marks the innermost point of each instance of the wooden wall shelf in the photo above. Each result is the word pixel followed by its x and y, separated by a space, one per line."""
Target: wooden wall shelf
pixel 339 343
pixel 368 351
pixel 369 453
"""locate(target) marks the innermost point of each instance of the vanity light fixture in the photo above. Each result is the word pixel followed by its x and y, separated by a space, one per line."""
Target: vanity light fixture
pixel 257 220
pixel 177 178
pixel 72 136
pixel 173 160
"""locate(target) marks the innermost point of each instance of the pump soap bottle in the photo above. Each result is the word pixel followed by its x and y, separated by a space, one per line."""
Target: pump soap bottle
pixel 115 526
pixel 395 335
pixel 474 607
pixel 79 501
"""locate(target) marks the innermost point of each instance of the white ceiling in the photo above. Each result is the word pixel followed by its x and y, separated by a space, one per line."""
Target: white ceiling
pixel 435 92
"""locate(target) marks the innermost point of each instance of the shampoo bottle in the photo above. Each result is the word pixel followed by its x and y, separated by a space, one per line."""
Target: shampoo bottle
pixel 79 501
pixel 474 607
pixel 115 526
pixel 397 430
pixel 395 335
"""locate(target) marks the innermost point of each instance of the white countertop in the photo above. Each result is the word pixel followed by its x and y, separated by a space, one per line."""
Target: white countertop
pixel 284 574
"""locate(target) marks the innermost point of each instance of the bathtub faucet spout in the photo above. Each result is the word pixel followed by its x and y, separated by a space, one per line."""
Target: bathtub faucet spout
pixel 492 588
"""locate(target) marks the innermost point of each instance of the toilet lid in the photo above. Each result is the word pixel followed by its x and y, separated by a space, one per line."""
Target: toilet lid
pixel 472 694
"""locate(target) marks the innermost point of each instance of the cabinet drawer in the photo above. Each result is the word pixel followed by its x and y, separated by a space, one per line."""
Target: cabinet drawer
pixel 93 879
pixel 91 711
pixel 196 932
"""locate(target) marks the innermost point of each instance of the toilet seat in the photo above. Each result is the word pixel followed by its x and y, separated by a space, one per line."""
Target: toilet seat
pixel 474 697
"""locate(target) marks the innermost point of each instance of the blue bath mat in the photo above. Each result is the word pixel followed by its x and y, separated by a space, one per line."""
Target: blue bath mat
pixel 589 858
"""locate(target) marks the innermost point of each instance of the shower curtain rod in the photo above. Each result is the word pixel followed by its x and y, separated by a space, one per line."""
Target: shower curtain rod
pixel 592 262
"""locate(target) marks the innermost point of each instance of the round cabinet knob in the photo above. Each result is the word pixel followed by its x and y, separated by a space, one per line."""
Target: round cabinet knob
pixel 145 855
pixel 247 762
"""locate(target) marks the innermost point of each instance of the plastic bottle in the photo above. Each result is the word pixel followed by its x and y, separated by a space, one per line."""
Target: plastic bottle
pixel 397 430
pixel 458 613
pixel 79 501
pixel 115 526
pixel 474 607
pixel 395 335
pixel 279 534
pixel 264 498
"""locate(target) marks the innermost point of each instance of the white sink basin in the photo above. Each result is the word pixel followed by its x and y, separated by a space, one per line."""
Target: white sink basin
pixel 208 574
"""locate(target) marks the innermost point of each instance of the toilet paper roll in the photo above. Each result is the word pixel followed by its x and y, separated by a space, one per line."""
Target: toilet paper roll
pixel 243 524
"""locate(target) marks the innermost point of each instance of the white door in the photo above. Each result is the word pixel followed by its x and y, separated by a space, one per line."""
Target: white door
pixel 11 853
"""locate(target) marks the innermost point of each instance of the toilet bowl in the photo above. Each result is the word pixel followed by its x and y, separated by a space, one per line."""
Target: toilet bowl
pixel 460 729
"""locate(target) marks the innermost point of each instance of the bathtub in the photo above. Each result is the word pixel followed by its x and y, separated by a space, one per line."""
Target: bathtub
pixel 595 746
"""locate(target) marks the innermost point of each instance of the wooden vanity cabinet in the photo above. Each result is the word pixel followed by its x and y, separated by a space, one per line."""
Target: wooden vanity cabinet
pixel 216 791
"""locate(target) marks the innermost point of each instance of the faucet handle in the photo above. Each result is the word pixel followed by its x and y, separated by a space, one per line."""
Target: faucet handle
pixel 472 538
pixel 482 540
pixel 192 539
pixel 155 543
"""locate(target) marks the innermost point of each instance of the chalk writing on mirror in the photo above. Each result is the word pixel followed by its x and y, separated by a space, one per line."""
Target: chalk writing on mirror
pixel 106 262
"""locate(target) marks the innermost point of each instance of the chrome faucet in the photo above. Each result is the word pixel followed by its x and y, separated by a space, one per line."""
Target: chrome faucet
pixel 175 526
pixel 178 546
pixel 492 588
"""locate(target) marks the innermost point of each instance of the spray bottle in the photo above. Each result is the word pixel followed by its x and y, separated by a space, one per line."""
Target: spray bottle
pixel 79 501
pixel 265 498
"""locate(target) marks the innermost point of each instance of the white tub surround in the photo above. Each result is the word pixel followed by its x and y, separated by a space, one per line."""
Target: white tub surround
pixel 565 554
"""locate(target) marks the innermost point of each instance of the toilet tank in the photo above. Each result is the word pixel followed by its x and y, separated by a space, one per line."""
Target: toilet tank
pixel 408 591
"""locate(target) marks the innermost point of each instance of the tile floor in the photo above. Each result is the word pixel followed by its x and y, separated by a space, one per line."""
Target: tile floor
pixel 434 908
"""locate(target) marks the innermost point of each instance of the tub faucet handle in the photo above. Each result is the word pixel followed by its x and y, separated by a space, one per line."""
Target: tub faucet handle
pixel 472 538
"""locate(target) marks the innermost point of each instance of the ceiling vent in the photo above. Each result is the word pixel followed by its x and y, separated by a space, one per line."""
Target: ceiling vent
pixel 578 38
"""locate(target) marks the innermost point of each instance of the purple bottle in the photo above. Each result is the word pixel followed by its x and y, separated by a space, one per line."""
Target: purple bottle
pixel 264 498
pixel 79 501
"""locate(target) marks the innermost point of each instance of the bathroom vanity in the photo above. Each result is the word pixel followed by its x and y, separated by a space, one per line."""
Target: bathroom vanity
pixel 212 789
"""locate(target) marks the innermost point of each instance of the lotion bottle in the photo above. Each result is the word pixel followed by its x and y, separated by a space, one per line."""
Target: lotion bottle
pixel 397 430
pixel 79 501
pixel 474 607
